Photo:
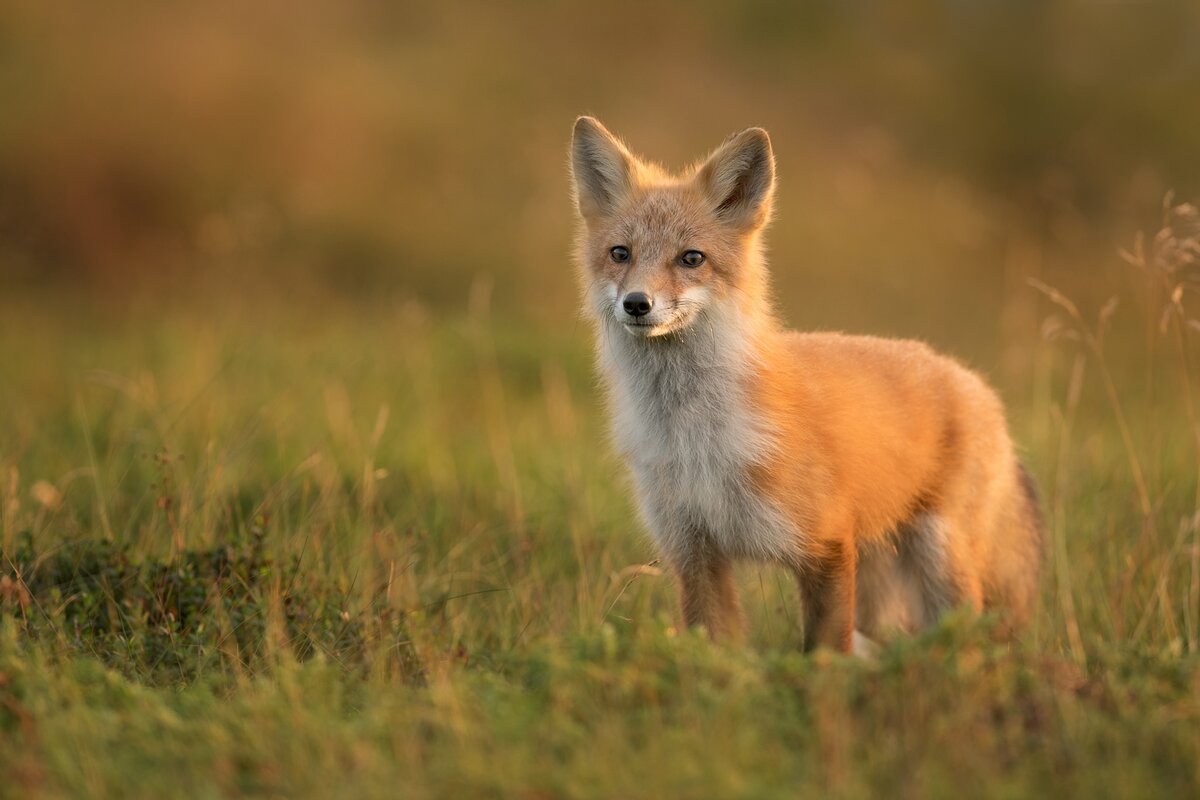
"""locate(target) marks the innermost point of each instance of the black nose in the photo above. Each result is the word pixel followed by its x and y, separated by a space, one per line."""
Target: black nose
pixel 637 304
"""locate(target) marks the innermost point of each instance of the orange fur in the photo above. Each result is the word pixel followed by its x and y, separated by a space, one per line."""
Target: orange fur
pixel 880 472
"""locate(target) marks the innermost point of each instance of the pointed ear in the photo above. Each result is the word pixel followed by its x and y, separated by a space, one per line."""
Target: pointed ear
pixel 739 179
pixel 601 167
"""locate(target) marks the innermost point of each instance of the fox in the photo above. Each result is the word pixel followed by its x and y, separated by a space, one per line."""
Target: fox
pixel 879 472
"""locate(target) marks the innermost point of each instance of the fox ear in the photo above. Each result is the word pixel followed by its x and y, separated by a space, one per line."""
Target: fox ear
pixel 739 179
pixel 602 169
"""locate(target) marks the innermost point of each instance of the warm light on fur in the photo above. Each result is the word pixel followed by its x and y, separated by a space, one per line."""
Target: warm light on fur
pixel 880 472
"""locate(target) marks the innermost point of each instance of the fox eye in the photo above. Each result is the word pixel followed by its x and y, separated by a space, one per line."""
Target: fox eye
pixel 619 254
pixel 692 258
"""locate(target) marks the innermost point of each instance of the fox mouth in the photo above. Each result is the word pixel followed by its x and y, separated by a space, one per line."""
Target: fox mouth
pixel 653 328
pixel 643 329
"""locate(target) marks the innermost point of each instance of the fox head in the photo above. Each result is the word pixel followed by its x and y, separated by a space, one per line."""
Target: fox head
pixel 659 252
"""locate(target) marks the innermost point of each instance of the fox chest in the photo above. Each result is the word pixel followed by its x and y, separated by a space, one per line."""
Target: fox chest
pixel 691 453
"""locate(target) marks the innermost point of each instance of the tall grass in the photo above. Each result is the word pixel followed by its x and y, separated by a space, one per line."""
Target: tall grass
pixel 1164 534
pixel 313 551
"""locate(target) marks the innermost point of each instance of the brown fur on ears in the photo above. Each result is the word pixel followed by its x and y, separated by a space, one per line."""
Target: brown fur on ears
pixel 739 179
pixel 602 167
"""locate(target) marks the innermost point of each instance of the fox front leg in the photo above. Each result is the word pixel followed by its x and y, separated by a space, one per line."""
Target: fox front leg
pixel 708 595
pixel 827 588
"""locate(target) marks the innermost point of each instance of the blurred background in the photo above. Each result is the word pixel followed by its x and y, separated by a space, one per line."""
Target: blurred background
pixel 932 154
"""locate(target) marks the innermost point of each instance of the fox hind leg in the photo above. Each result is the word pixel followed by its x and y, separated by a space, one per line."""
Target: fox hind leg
pixel 944 574
pixel 889 600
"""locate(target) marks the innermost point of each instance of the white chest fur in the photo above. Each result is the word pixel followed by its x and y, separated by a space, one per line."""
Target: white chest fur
pixel 682 420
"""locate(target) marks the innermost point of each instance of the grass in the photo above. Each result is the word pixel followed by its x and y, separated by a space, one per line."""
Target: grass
pixel 348 550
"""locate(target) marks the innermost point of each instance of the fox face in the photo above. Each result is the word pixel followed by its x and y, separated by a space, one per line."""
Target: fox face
pixel 659 251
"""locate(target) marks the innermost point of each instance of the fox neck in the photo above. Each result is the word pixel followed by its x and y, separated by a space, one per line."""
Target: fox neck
pixel 671 393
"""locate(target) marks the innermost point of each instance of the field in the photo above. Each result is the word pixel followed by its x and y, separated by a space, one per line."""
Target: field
pixel 305 489
pixel 388 552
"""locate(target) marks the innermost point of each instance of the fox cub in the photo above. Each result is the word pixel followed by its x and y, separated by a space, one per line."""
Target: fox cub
pixel 878 471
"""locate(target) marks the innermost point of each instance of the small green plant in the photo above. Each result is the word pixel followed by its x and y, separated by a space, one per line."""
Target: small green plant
pixel 174 619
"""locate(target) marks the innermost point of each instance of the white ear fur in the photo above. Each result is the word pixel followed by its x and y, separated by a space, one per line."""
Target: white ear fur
pixel 739 179
pixel 602 169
